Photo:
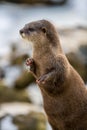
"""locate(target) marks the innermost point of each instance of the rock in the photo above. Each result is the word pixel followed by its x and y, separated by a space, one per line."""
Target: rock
pixel 19 60
pixel 24 80
pixel 59 2
pixel 25 116
pixel 74 43
pixel 83 51
pixel 16 58
pixel 78 63
pixel 71 38
pixel 19 108
pixel 2 73
pixel 10 95
pixel 31 121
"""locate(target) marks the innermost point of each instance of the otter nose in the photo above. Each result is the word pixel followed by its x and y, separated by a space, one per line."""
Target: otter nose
pixel 21 31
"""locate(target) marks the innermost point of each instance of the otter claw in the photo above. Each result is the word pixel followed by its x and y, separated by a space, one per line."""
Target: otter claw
pixel 41 80
pixel 29 62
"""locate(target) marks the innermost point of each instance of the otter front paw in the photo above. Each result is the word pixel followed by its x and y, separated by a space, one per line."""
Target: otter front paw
pixel 30 62
pixel 42 79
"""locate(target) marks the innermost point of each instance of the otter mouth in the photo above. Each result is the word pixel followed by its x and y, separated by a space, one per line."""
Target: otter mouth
pixel 22 33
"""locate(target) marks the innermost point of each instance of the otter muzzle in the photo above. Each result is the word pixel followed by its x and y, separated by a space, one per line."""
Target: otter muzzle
pixel 22 33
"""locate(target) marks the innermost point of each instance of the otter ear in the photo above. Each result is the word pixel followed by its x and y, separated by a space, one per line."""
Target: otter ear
pixel 44 30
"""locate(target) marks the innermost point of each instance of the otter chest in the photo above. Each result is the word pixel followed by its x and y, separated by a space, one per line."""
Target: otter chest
pixel 43 66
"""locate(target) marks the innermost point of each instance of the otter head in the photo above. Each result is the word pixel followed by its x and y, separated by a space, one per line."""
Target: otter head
pixel 41 32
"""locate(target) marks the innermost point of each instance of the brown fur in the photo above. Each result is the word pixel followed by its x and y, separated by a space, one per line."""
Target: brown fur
pixel 63 90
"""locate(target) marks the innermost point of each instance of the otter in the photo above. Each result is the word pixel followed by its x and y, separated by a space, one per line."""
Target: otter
pixel 63 90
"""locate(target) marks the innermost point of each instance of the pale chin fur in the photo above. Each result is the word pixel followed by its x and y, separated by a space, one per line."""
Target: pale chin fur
pixel 28 44
pixel 23 35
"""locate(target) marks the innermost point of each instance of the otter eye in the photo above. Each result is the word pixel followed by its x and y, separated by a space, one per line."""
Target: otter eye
pixel 31 29
pixel 44 30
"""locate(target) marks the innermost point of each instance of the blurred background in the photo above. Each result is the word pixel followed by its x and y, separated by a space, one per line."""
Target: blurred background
pixel 21 106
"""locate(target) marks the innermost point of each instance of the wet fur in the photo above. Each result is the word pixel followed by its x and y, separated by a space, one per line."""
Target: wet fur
pixel 63 90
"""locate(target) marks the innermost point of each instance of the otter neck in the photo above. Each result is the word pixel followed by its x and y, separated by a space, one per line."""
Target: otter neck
pixel 42 49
